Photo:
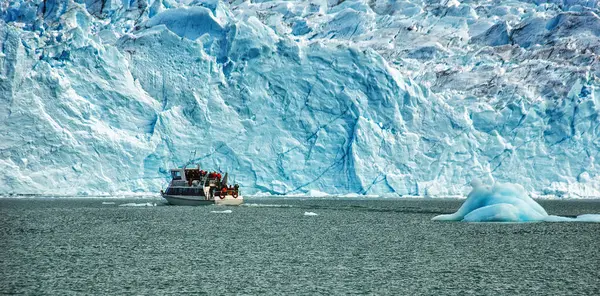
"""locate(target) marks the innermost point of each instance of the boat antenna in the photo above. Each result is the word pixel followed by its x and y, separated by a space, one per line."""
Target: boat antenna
pixel 192 157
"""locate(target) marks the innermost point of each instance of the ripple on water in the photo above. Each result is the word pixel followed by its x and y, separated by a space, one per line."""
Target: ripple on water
pixel 356 246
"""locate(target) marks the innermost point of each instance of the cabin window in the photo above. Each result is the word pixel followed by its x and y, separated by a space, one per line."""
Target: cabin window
pixel 176 175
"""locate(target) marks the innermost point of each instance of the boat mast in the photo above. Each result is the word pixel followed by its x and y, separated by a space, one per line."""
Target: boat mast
pixel 192 157
pixel 224 182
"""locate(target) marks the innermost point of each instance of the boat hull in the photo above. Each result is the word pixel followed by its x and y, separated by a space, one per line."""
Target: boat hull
pixel 182 200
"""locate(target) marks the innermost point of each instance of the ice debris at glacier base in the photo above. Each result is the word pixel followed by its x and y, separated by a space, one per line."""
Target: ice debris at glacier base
pixel 505 202
pixel 368 97
pixel 222 212
pixel 133 204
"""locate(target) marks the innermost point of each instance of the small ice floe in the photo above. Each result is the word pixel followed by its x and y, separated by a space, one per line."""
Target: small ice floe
pixel 132 204
pixel 581 218
pixel 222 212
pixel 505 203
pixel 588 218
pixel 108 202
pixel 310 214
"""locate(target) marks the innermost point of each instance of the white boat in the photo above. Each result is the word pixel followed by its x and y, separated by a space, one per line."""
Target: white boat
pixel 194 187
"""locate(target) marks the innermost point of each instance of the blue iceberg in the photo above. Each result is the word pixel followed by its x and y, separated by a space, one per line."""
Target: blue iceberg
pixel 505 202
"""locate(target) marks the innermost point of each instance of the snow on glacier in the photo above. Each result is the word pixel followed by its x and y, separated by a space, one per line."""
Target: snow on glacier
pixel 368 97
pixel 505 202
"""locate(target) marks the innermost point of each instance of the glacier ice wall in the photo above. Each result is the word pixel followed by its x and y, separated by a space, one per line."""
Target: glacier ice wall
pixel 373 97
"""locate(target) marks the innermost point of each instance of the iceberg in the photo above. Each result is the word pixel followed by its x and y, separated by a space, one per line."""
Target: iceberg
pixel 505 202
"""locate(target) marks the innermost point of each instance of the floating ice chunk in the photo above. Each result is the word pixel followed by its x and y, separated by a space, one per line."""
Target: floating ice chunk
pixel 499 203
pixel 222 212
pixel 497 212
pixel 148 204
pixel 505 203
pixel 588 218
pixel 310 214
pixel 580 218
pixel 108 202
pixel 554 218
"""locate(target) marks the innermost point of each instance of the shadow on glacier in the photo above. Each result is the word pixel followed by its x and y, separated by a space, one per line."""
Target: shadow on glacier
pixel 505 202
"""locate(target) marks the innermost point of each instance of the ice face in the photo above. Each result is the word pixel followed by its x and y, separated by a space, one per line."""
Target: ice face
pixel 190 22
pixel 292 97
pixel 505 203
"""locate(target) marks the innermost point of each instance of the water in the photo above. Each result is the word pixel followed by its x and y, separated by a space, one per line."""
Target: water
pixel 65 246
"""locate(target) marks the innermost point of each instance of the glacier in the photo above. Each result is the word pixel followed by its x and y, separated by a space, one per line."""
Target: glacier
pixel 382 97
pixel 505 202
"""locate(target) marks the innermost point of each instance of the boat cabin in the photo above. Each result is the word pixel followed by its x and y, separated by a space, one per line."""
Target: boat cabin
pixel 189 176
pixel 177 174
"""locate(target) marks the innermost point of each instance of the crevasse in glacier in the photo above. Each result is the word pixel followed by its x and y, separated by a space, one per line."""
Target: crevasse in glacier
pixel 372 97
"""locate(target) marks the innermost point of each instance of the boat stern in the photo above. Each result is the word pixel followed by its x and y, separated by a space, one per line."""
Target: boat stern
pixel 229 200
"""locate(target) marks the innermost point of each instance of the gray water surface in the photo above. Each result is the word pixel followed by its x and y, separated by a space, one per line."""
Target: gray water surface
pixel 353 246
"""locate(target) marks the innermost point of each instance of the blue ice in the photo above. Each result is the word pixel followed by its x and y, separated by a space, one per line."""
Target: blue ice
pixel 505 202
